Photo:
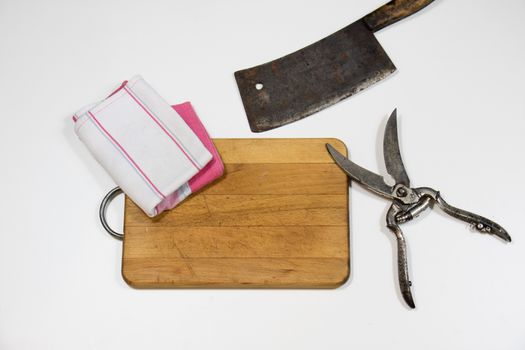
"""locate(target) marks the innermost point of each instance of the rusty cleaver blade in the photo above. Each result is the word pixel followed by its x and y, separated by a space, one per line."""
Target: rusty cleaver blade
pixel 299 84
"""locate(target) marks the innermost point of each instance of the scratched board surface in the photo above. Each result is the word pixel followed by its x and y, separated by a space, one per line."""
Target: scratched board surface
pixel 278 218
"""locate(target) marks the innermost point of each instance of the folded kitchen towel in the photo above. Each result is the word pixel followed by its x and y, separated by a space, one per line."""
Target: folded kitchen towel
pixel 144 145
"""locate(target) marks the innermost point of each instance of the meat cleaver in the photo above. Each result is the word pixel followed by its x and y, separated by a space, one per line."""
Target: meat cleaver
pixel 299 84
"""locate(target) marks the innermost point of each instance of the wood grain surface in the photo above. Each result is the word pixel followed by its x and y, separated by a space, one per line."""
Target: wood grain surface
pixel 278 218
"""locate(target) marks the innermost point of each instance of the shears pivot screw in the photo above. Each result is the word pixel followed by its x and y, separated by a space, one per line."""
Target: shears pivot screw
pixel 401 192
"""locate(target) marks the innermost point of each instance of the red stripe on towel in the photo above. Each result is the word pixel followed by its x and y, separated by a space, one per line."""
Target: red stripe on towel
pixel 126 153
pixel 160 125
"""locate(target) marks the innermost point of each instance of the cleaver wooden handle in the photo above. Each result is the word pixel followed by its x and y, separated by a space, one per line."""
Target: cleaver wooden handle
pixel 392 12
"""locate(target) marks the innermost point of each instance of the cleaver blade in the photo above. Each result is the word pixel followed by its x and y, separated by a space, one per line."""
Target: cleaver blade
pixel 336 67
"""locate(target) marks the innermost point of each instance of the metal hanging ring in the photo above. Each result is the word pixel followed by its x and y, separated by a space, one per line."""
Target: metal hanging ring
pixel 102 212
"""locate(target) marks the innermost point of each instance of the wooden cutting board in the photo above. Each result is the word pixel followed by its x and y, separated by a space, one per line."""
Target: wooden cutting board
pixel 278 218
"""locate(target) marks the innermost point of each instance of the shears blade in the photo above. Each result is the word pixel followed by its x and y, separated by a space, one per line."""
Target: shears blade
pixel 392 154
pixel 373 182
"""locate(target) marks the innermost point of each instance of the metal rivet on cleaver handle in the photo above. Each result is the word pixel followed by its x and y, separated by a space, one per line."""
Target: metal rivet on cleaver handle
pixel 301 83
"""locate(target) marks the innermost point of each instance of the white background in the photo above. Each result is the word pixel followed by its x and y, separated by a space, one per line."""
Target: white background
pixel 460 96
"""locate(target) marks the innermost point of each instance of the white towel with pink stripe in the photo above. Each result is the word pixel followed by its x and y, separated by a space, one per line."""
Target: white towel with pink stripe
pixel 146 147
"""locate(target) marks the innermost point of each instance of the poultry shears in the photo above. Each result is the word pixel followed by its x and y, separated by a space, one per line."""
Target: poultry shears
pixel 407 202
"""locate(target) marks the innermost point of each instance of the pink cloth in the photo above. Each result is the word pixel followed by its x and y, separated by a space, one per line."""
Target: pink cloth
pixel 213 170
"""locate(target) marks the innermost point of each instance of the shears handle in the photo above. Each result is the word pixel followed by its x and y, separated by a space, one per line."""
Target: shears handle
pixel 480 223
pixel 402 263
